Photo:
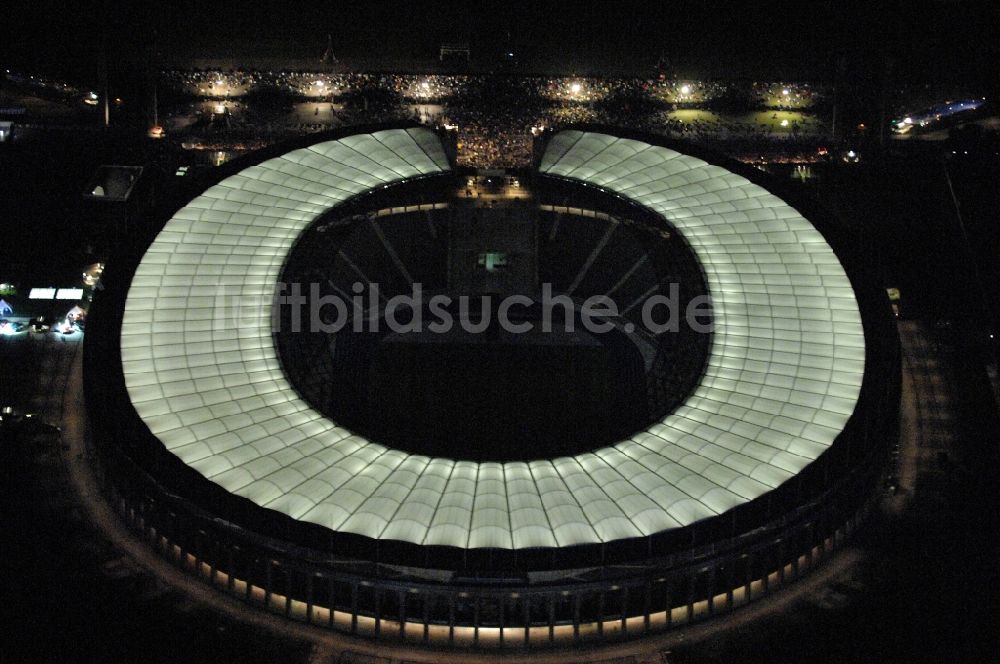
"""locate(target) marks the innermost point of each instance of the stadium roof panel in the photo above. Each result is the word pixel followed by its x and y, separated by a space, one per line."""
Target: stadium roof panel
pixel 783 376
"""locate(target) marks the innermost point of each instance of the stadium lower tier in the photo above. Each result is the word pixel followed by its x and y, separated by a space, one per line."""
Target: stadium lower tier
pixel 551 609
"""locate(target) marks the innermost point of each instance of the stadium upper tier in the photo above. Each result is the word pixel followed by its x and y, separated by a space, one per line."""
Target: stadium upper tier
pixel 783 377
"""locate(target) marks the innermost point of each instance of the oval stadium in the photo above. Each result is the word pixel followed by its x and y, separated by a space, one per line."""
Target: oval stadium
pixel 280 409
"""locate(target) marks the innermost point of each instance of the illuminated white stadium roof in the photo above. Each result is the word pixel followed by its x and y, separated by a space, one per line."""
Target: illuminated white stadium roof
pixel 783 376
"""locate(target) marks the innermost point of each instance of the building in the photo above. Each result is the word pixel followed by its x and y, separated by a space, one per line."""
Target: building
pixel 753 453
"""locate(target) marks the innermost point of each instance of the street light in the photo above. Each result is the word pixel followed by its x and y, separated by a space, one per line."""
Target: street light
pixel 575 88
pixel 685 89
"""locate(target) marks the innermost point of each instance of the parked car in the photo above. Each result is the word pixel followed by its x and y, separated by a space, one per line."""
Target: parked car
pixel 17 422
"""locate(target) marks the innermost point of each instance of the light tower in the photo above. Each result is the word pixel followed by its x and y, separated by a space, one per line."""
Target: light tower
pixel 328 57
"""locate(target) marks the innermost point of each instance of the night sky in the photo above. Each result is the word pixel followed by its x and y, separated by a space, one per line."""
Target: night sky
pixel 925 40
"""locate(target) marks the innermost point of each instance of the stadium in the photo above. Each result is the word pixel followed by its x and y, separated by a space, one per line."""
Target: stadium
pixel 493 490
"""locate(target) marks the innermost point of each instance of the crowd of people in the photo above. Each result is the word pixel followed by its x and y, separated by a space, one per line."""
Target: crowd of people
pixel 495 116
pixel 789 95
pixel 439 87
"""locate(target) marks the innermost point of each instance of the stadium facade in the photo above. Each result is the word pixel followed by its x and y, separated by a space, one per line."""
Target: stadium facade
pixel 757 451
